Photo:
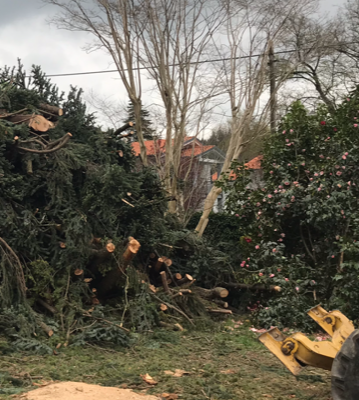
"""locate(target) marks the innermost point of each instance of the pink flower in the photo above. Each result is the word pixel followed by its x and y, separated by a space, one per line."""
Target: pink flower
pixel 333 256
pixel 322 123
pixel 279 270
pixel 295 183
pixel 303 150
pixel 313 281
pixel 270 196
pixel 260 274
pixel 258 204
pixel 319 189
pixel 237 215
pixel 321 172
pixel 342 212
pixel 316 174
pixel 337 166
pixel 280 240
pixel 274 250
pixel 287 183
pixel 288 144
pixel 335 130
pixel 271 275
pixel 310 179
pixel 297 288
pixel 271 172
pixel 355 125
pixel 257 247
pixel 349 183
pixel 259 212
pixel 289 165
pixel 346 153
pixel 287 140
pixel 355 117
pixel 248 259
pixel 348 99
pixel 344 157
pixel 339 173
pixel 284 132
pixel 303 164
pixel 274 164
pixel 282 234
pixel 243 263
pixel 291 131
pixel 328 138
pixel 321 156
pixel 343 167
pixel 280 187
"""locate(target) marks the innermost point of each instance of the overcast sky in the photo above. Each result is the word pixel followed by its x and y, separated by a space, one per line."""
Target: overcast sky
pixel 25 34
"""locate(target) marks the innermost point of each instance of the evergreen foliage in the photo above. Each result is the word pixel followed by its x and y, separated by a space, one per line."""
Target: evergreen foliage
pixel 148 132
pixel 301 229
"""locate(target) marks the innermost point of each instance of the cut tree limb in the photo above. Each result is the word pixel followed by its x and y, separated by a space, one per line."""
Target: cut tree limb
pixel 123 128
pixel 164 281
pixel 251 287
pixel 53 110
pixel 48 307
pixel 219 311
pixel 131 250
pixel 48 149
pixel 218 292
pixel 187 278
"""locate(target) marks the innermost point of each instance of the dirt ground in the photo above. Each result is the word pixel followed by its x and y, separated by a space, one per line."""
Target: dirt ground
pixel 83 391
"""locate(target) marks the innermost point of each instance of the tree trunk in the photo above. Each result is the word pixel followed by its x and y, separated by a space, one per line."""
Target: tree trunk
pixel 207 208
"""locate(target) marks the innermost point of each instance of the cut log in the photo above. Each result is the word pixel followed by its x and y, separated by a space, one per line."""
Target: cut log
pixel 110 247
pixel 63 245
pixel 219 311
pixel 163 307
pixel 167 261
pixel 177 276
pixel 221 303
pixel 37 122
pixel 251 287
pixel 79 272
pixel 164 281
pixel 51 109
pixel 131 249
pixel 218 292
pixel 187 278
pixel 48 307
pixel 159 264
pixel 46 329
pixel 123 128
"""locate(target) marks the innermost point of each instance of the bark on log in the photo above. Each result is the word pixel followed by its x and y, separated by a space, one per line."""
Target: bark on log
pixel 218 292
pixel 219 311
pixel 221 303
pixel 159 264
pixel 36 122
pixel 131 249
pixel 46 328
pixel 230 285
pixel 51 109
pixel 48 307
pixel 164 281
pixel 187 278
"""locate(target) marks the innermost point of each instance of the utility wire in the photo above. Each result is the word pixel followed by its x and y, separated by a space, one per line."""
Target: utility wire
pixel 193 62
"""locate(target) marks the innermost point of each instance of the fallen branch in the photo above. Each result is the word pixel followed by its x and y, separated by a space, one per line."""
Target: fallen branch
pixel 164 281
pixel 123 128
pixel 251 287
pixel 47 150
pixel 219 311
pixel 174 308
pixel 48 307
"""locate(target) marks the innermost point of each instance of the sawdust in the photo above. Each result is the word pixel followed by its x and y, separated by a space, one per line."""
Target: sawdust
pixel 83 391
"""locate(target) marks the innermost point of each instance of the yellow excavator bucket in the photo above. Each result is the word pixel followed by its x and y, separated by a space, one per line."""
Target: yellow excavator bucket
pixel 297 351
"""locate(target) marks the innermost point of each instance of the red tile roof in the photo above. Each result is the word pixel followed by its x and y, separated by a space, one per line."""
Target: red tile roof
pixel 255 163
pixel 154 147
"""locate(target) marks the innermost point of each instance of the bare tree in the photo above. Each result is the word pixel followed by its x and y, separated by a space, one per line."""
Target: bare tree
pixel 249 27
pixel 175 36
pixel 111 23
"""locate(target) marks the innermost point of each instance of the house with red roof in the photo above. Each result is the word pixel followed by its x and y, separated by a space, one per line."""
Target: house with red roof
pixel 198 163
pixel 201 166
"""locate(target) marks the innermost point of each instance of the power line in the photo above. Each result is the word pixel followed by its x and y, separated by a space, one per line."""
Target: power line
pixel 192 63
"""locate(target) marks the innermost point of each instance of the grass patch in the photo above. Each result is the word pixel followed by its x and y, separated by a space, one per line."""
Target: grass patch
pixel 222 365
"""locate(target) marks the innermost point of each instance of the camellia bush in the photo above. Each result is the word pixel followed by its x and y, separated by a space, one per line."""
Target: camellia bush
pixel 301 228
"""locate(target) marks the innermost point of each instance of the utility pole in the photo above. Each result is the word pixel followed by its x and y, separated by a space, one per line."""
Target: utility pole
pixel 273 100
